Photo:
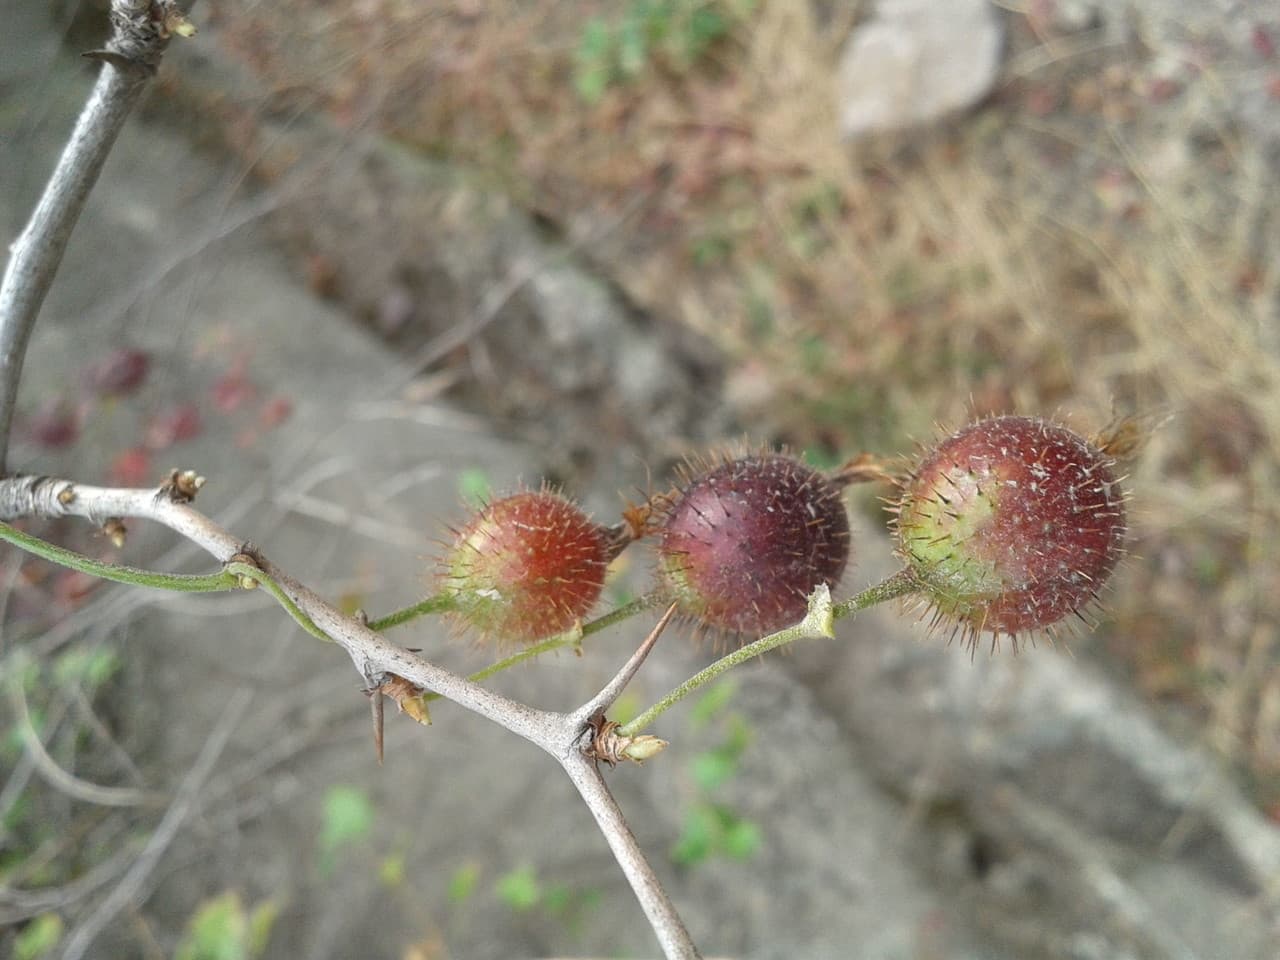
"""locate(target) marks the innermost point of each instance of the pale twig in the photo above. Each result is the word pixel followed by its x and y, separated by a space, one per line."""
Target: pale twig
pixel 137 42
pixel 372 654
pixel 666 923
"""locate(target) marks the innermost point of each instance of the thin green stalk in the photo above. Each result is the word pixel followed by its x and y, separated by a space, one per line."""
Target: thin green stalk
pixel 817 623
pixel 568 638
pixel 440 603
pixel 118 573
pixel 247 571
pixel 899 585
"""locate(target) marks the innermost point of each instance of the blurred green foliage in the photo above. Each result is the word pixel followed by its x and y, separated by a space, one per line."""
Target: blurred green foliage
pixel 38 938
pixel 711 827
pixel 675 33
pixel 223 929
pixel 347 818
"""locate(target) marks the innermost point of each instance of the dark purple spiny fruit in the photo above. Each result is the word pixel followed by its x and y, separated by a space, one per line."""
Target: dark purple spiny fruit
pixel 744 543
pixel 1011 524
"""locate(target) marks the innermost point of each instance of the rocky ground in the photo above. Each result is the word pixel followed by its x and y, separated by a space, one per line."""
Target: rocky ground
pixel 880 796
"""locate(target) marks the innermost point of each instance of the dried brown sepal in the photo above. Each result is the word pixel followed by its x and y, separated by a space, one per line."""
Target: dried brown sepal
pixel 1126 435
pixel 608 746
pixel 865 468
pixel 182 485
pixel 638 519
pixel 408 697
pixel 175 23
pixel 115 531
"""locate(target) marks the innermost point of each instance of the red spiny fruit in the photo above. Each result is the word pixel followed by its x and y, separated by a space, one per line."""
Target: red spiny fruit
pixel 1010 525
pixel 526 567
pixel 744 543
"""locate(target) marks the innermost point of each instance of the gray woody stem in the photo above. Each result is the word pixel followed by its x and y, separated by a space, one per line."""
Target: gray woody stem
pixel 139 36
pixel 561 735
pixel 666 923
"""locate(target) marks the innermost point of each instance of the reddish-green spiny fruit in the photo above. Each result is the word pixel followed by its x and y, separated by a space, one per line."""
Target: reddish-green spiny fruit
pixel 526 567
pixel 1011 524
pixel 744 543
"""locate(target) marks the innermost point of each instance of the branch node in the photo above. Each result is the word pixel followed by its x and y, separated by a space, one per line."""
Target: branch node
pixel 246 557
pixel 181 486
pixel 410 698
pixel 67 495
pixel 820 621
pixel 175 23
pixel 114 530
pixel 607 745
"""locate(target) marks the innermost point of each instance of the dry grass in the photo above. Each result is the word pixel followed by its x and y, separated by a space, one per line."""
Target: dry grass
pixel 1067 248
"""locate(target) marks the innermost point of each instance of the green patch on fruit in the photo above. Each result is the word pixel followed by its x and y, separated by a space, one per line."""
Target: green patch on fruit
pixel 675 575
pixel 934 530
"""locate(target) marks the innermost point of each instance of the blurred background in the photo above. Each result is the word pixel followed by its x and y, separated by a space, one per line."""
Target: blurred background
pixel 361 263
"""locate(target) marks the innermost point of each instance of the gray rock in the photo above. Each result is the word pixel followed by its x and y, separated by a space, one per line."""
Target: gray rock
pixel 916 61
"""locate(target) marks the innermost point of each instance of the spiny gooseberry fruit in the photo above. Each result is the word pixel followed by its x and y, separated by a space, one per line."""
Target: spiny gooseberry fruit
pixel 744 543
pixel 526 567
pixel 1010 525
